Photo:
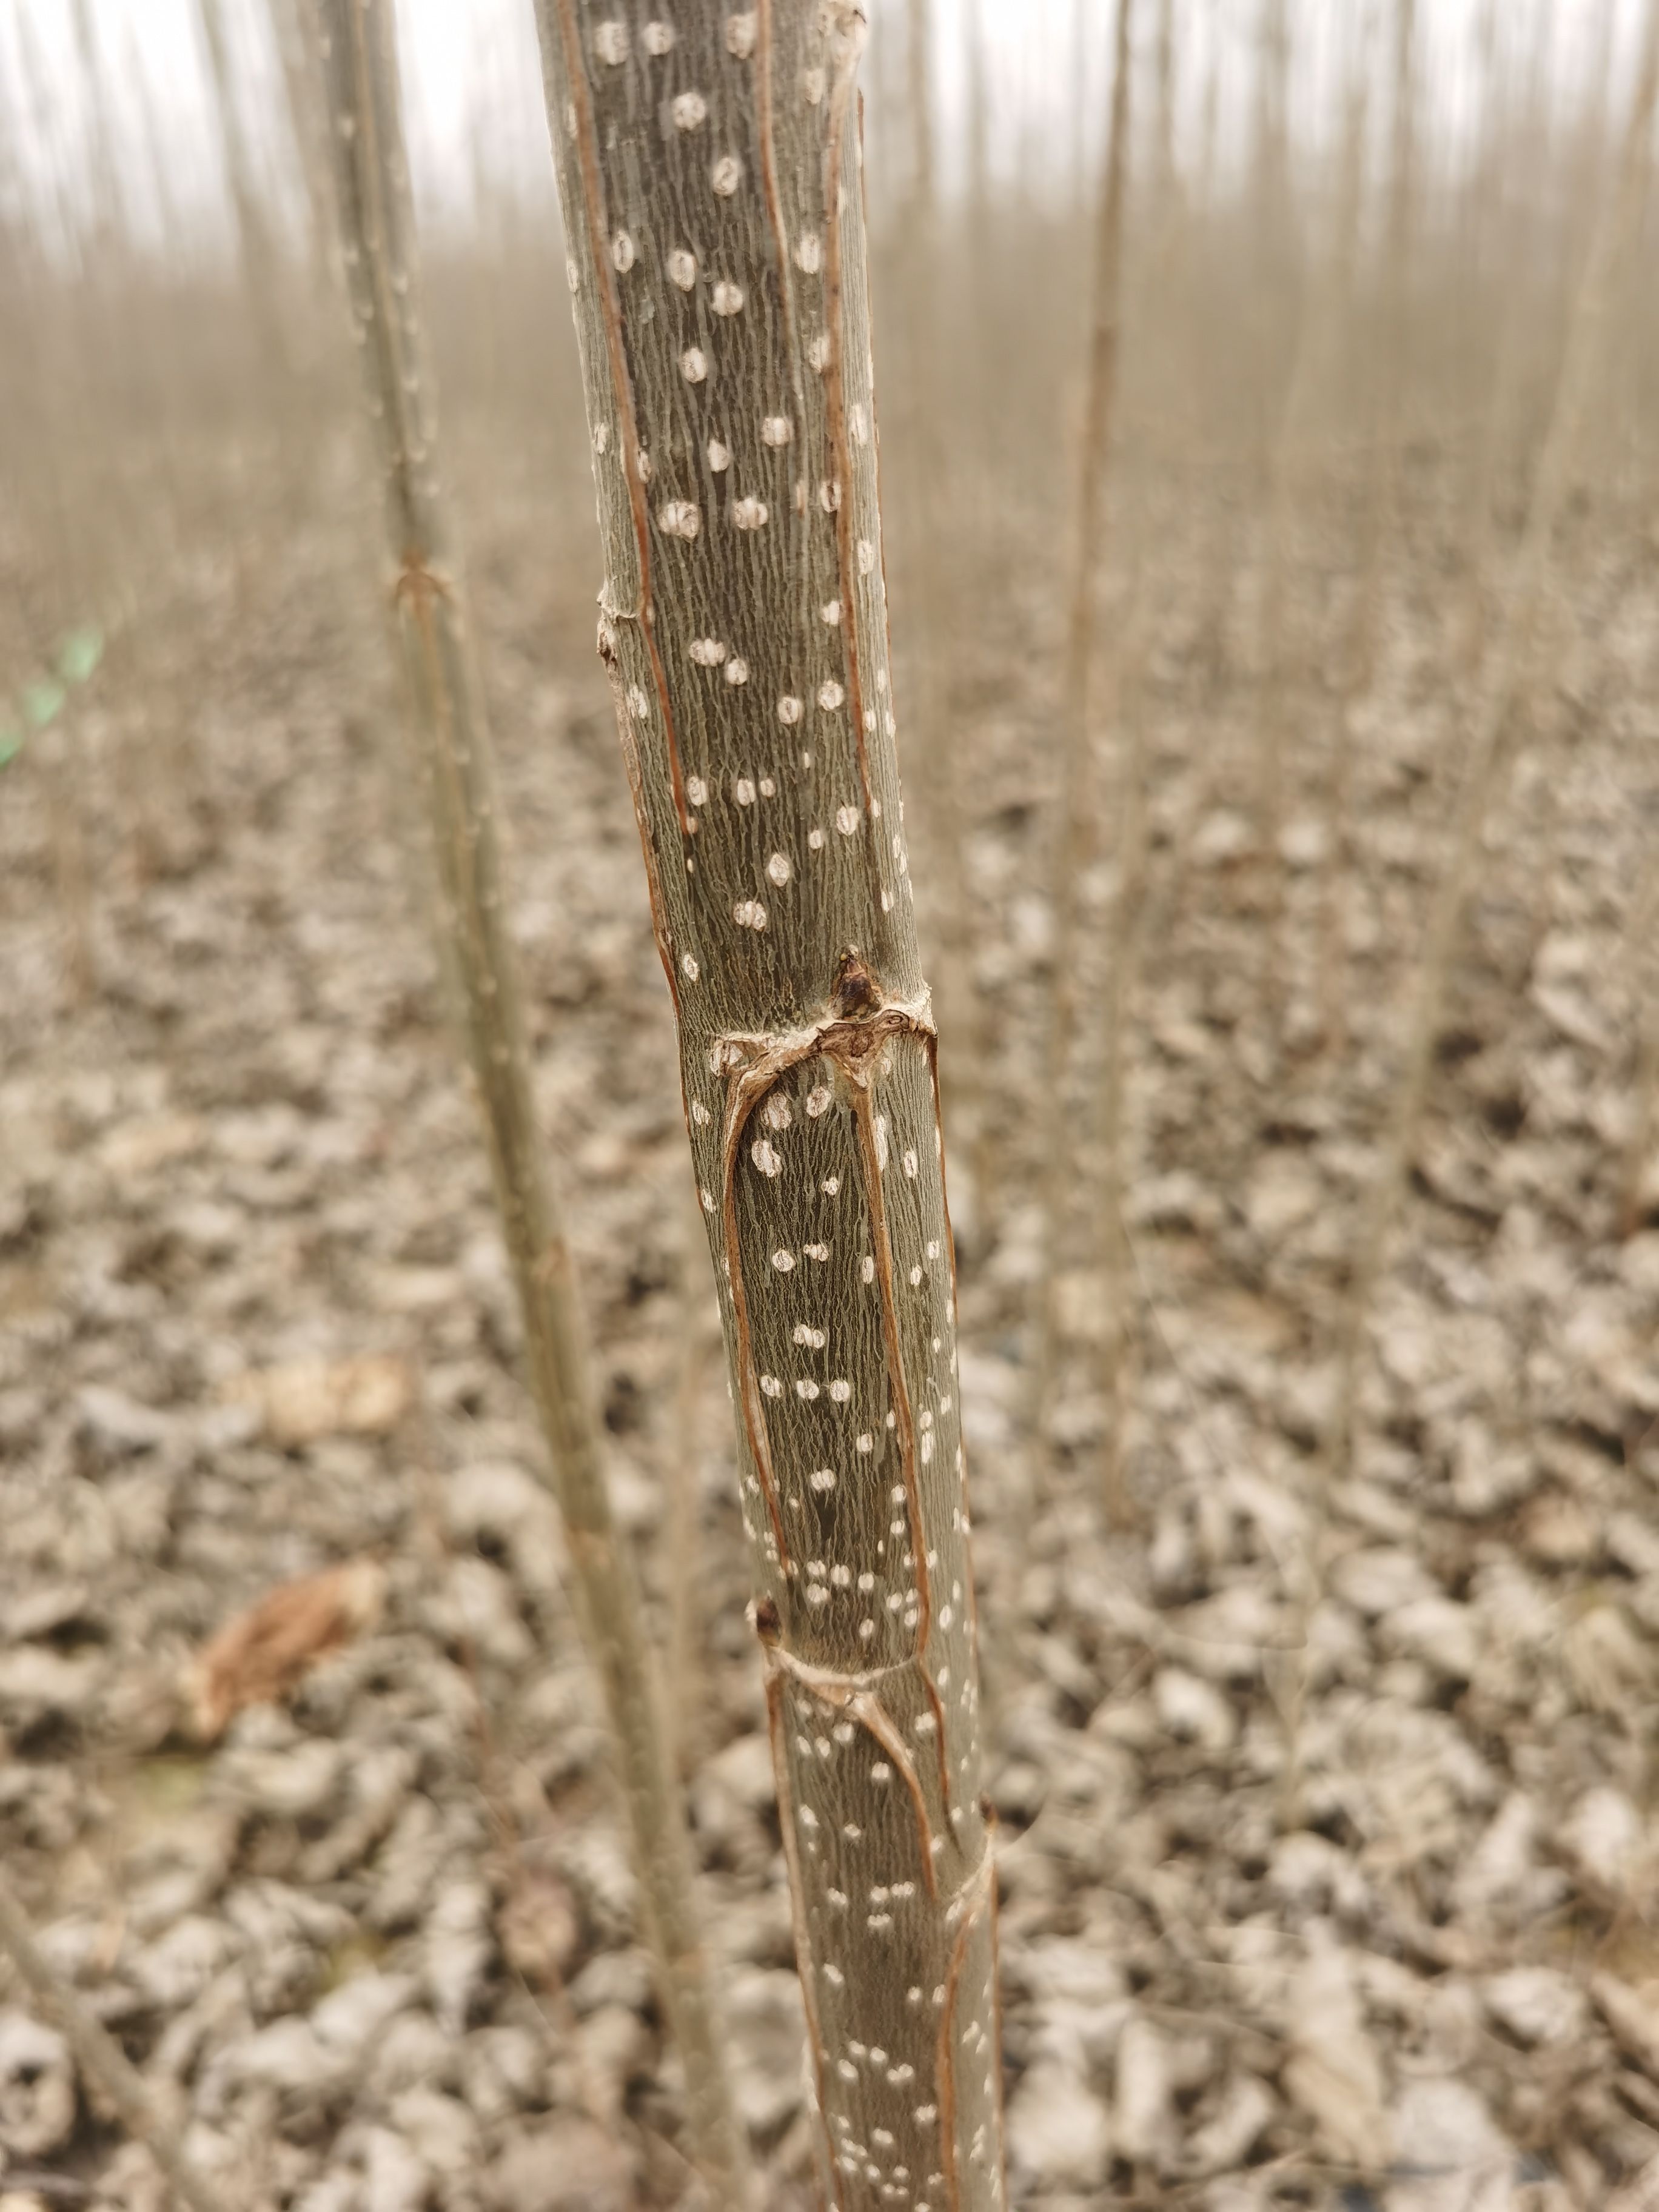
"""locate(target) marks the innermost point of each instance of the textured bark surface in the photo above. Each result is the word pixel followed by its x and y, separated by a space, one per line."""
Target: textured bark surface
pixel 453 760
pixel 709 171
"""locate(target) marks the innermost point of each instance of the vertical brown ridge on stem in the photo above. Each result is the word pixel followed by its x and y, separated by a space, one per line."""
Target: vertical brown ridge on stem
pixel 767 1627
pixel 754 1416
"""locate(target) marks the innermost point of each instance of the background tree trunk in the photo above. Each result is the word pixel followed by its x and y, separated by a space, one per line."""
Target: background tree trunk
pixel 454 760
pixel 1488 753
pixel 253 239
pixel 710 172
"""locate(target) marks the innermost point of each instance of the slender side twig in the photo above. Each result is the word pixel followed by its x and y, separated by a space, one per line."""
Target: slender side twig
pixel 453 758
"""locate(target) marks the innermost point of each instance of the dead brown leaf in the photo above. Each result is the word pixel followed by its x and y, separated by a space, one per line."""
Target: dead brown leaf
pixel 265 1652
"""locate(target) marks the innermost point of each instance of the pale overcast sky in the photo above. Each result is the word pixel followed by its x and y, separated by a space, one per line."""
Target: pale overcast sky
pixel 466 57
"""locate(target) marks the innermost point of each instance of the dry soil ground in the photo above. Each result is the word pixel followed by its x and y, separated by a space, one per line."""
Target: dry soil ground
pixel 378 1937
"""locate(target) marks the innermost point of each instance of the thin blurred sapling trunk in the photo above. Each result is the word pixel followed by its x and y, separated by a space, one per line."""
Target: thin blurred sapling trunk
pixel 1378 518
pixel 453 760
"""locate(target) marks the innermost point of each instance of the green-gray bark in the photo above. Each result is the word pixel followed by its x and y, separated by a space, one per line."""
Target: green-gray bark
pixel 709 167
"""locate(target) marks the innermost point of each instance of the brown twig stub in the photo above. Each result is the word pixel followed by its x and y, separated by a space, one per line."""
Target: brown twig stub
pixel 709 174
pixel 856 990
pixel 417 581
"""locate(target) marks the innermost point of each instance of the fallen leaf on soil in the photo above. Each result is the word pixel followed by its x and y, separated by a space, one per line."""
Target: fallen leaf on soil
pixel 1633 2016
pixel 264 1653
pixel 314 1398
pixel 538 1926
pixel 1333 2072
